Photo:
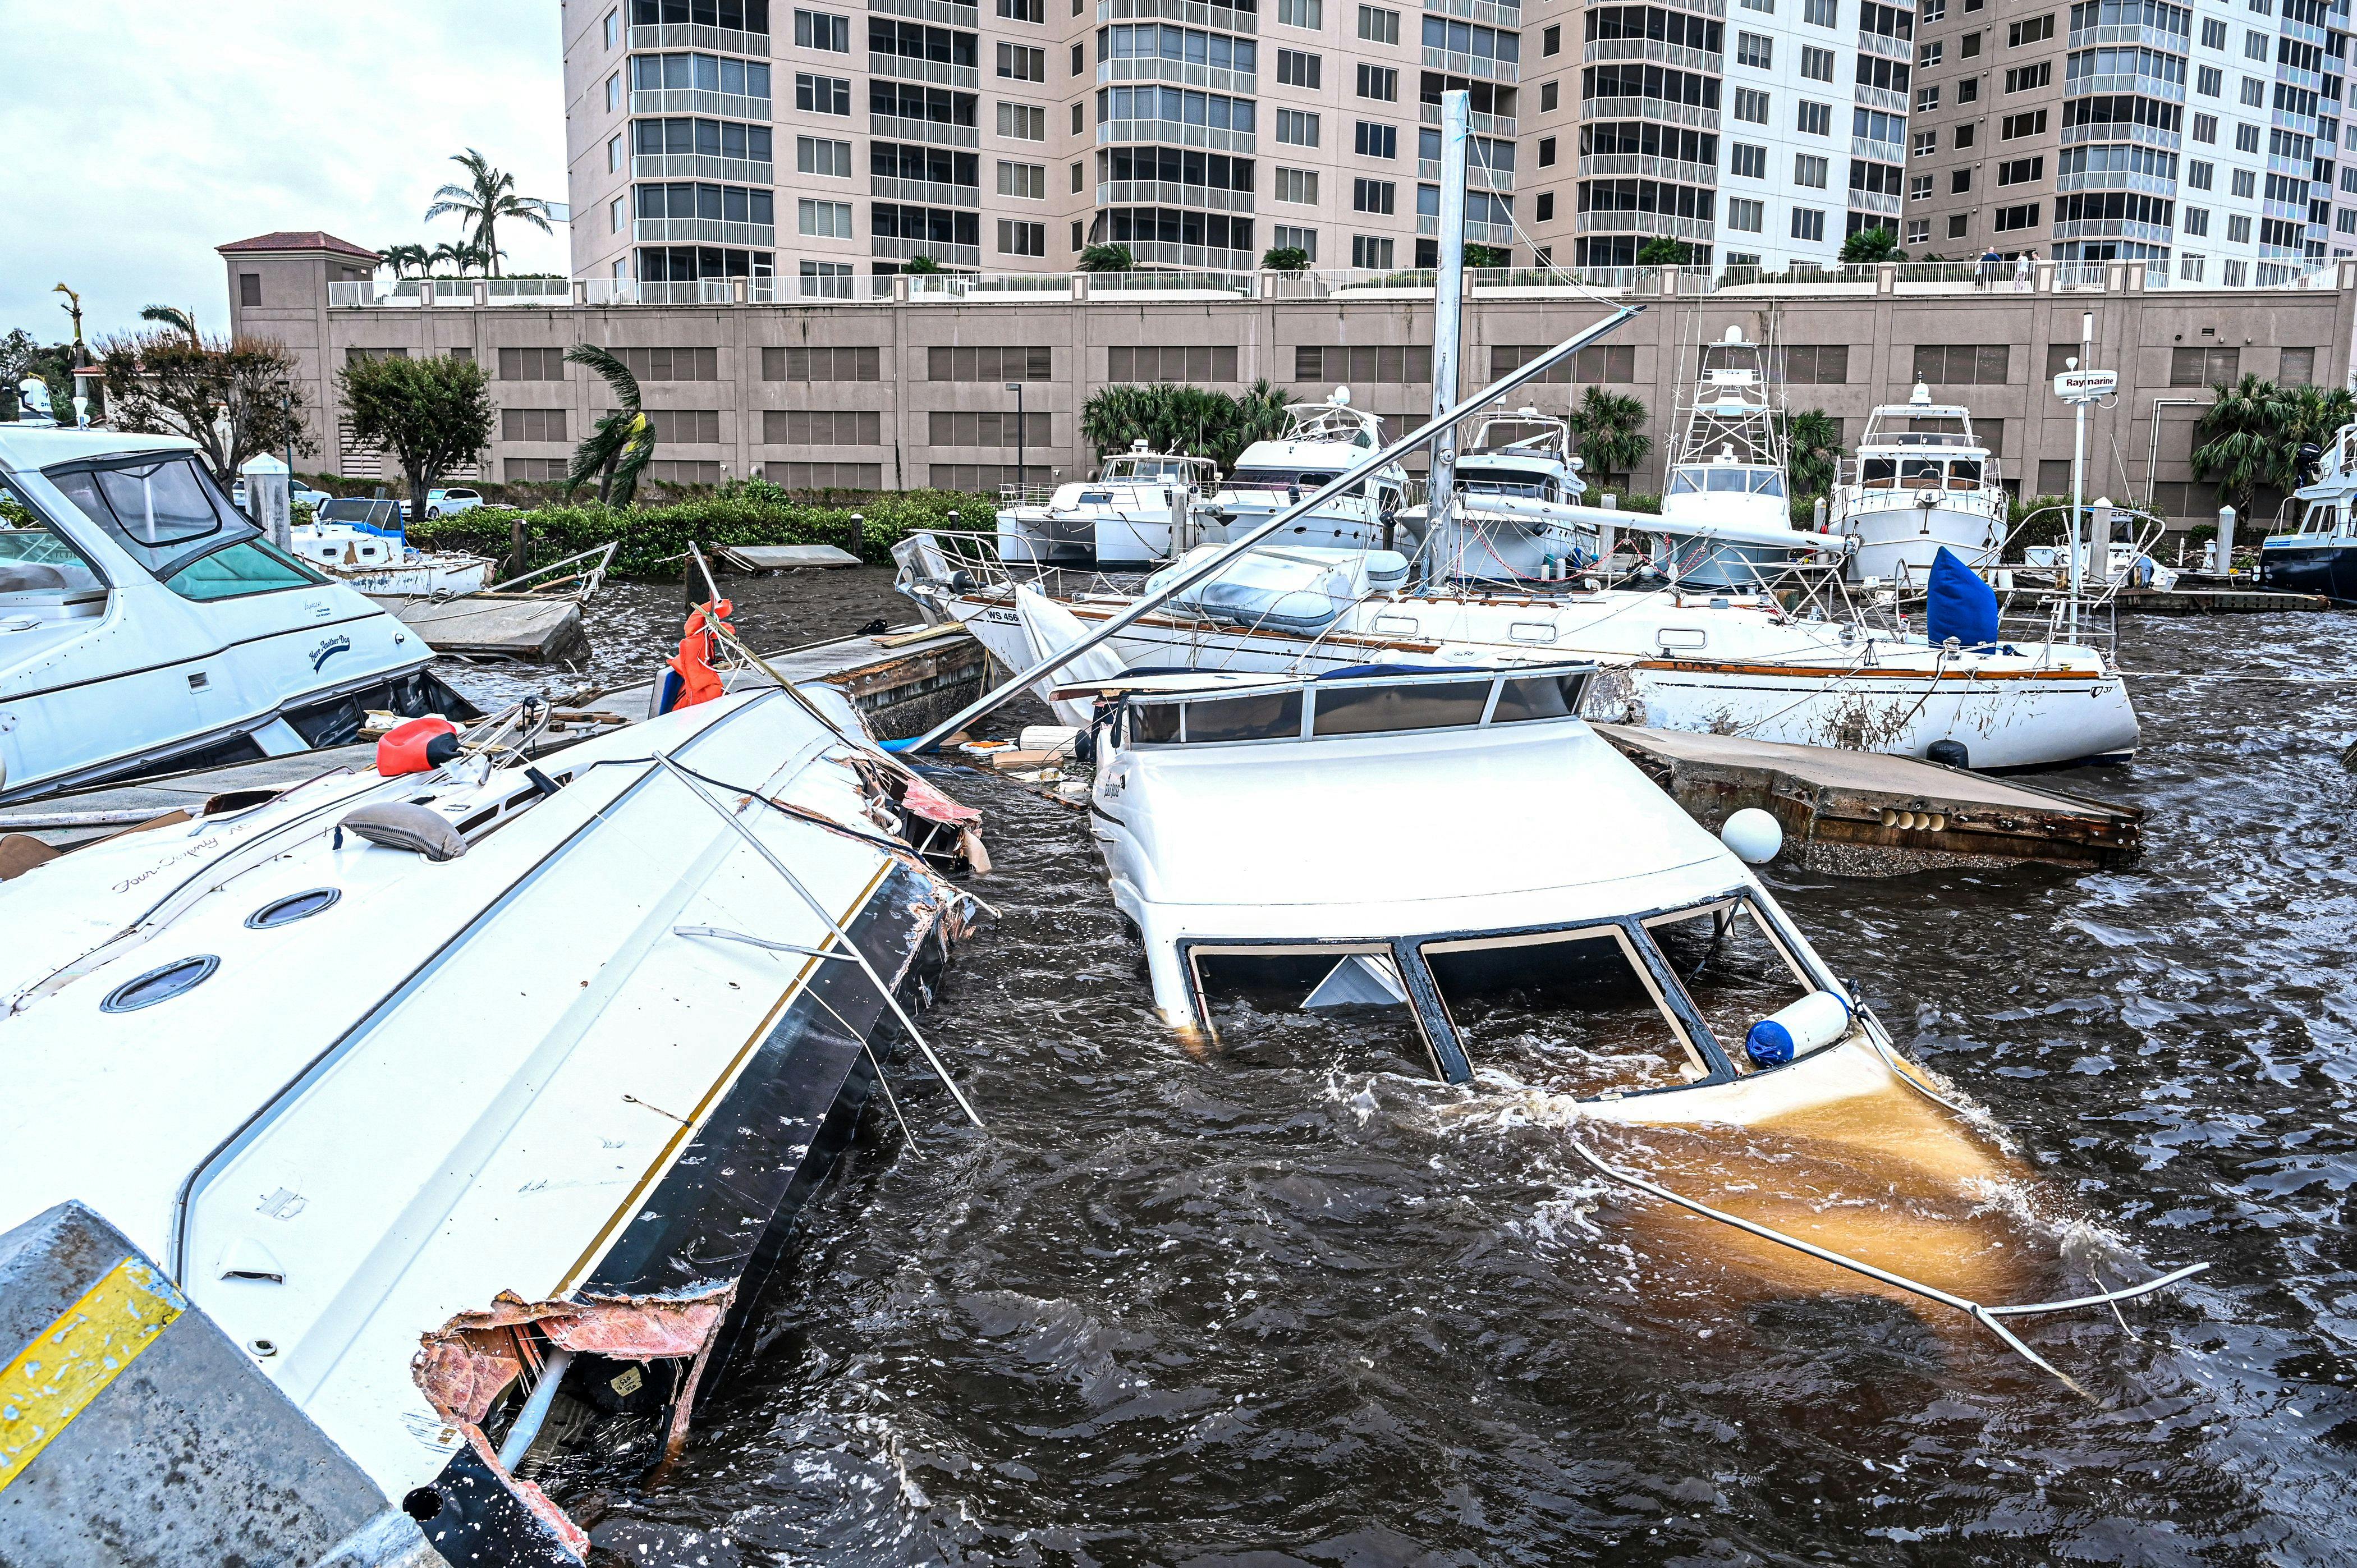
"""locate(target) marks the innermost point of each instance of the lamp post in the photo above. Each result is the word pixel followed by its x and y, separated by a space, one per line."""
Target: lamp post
pixel 1017 387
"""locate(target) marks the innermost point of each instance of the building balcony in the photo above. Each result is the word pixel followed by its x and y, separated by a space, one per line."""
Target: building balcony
pixel 941 13
pixel 1665 224
pixel 699 165
pixel 924 192
pixel 1170 132
pixel 695 35
pixel 907 250
pixel 1658 109
pixel 1480 233
pixel 2133 82
pixel 2112 179
pixel 701 231
pixel 1878 152
pixel 695 101
pixel 1168 193
pixel 893 128
pixel 1620 166
pixel 1457 64
pixel 2132 33
pixel 1876 98
pixel 1881 204
pixel 1193 12
pixel 1483 125
pixel 1204 258
pixel 1490 13
pixel 1655 49
pixel 2113 228
pixel 939 72
pixel 1180 73
pixel 2122 130
pixel 1886 47
pixel 1478 176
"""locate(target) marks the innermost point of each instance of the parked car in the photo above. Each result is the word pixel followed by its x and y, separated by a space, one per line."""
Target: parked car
pixel 444 503
pixel 303 495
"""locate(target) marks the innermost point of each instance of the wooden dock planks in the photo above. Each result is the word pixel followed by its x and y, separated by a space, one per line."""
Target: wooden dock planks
pixel 1858 813
pixel 514 625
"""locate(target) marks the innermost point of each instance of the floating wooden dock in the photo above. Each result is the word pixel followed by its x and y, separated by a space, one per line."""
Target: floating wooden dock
pixel 784 557
pixel 904 680
pixel 2184 601
pixel 511 626
pixel 1857 813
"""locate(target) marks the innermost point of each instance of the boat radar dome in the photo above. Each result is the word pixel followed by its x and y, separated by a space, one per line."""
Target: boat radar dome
pixel 1920 397
pixel 1138 445
pixel 1341 398
pixel 1753 836
pixel 1734 334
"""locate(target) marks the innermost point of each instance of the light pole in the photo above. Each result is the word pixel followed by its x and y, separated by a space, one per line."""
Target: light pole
pixel 2080 386
pixel 1017 387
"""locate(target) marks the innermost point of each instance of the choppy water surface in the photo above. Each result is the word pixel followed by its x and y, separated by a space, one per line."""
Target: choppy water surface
pixel 1268 1308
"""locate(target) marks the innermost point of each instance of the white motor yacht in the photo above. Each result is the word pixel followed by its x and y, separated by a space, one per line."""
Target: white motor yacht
pixel 2319 556
pixel 364 543
pixel 475 1103
pixel 1321 441
pixel 1141 508
pixel 146 623
pixel 1516 517
pixel 1921 482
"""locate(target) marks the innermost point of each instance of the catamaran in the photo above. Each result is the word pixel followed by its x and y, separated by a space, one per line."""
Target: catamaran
pixel 1921 482
pixel 1321 440
pixel 147 624
pixel 1142 507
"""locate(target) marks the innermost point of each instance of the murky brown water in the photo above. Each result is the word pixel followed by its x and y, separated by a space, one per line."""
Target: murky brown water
pixel 1260 1309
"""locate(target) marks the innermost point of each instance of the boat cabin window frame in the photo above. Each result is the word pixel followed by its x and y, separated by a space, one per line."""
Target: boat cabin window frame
pixel 15 497
pixel 1737 904
pixel 1498 706
pixel 165 559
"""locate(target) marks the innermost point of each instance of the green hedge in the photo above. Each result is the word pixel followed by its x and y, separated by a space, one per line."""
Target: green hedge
pixel 655 537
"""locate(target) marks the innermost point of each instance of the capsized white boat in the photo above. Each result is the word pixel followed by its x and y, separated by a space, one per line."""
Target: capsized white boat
pixel 474 1155
pixel 1142 507
pixel 1321 440
pixel 146 623
pixel 1921 482
pixel 364 545
pixel 1557 910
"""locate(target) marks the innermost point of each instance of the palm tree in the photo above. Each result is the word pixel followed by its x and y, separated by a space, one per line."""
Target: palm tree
pixel 401 259
pixel 2318 414
pixel 1611 431
pixel 619 449
pixel 1108 259
pixel 1184 419
pixel 2247 439
pixel 487 196
pixel 172 316
pixel 1814 442
pixel 921 263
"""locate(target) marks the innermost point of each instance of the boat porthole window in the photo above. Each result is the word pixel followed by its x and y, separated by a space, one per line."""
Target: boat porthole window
pixel 294 907
pixel 160 984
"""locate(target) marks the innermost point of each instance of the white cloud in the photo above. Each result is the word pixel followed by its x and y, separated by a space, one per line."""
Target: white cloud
pixel 141 134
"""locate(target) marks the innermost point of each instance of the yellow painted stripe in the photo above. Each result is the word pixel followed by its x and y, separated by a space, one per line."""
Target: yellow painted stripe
pixel 71 1362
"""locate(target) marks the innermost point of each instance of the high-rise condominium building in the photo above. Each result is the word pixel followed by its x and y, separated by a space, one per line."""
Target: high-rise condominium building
pixel 2202 138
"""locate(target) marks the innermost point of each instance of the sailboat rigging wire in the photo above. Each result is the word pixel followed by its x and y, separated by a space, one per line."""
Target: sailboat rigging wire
pixel 1184 577
pixel 1986 1316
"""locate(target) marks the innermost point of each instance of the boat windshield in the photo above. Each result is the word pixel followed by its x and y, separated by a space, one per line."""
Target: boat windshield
pixel 2322 517
pixel 166 511
pixel 37 563
pixel 1322 711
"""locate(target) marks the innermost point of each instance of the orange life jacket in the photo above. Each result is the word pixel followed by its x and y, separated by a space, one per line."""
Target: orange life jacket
pixel 698 680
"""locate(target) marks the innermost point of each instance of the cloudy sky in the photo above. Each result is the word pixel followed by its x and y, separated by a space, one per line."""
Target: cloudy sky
pixel 140 134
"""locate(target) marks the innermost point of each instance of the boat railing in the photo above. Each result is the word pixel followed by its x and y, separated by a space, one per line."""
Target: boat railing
pixel 970 562
pixel 1027 494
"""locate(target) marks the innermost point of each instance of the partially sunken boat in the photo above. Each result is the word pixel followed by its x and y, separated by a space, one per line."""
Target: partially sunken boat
pixel 475 1100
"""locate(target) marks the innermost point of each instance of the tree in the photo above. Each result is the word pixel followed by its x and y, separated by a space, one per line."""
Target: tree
pixel 1812 445
pixel 406 259
pixel 487 196
pixel 2244 438
pixel 1487 256
pixel 167 382
pixel 922 264
pixel 1284 259
pixel 1108 259
pixel 1610 429
pixel 432 414
pixel 172 316
pixel 1183 419
pixel 1662 252
pixel 22 355
pixel 619 449
pixel 460 256
pixel 2317 415
pixel 1870 245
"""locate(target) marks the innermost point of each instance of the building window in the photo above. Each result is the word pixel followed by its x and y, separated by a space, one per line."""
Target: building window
pixel 2255 93
pixel 2204 366
pixel 1918 232
pixel 1963 364
pixel 989 363
pixel 1551 41
pixel 821 365
pixel 1935 10
pixel 672 364
pixel 531 364
pixel 2029 78
pixel 826 280
pixel 1816 119
pixel 1076 120
pixel 2189 267
pixel 1017 238
pixel 1960 181
pixel 1968 90
pixel 1386 364
pixel 1767 7
pixel 2195 221
pixel 1546 207
pixel 1547 99
pixel 613 93
pixel 1287 238
pixel 2033 30
pixel 1371 251
pixel 2246 138
pixel 1756 50
pixel 613 155
pixel 1022 122
pixel 1809 224
pixel 1746 160
pixel 1380 82
pixel 821 94
pixel 1927 99
pixel 614 218
pixel 2014 126
pixel 1373 140
pixel 613 26
pixel 1970 47
pixel 1816 64
pixel 1027 180
pixel 1297 185
pixel 1296 128
pixel 825 219
pixel 1309 14
pixel 1926 144
pixel 1959 224
pixel 819 155
pixel 1966 134
pixel 822 427
pixel 2021 171
pixel 1919 188
pixel 1809 170
pixel 1295 68
pixel 1745 216
pixel 2209 81
pixel 2200 175
pixel 1928 54
pixel 2010 219
pixel 249 289
pixel 1820 13
pixel 821 30
pixel 1751 106
pixel 1373 196
pixel 1019 62
pixel 1812 364
pixel 1546 153
pixel 2245 182
pixel 1378 25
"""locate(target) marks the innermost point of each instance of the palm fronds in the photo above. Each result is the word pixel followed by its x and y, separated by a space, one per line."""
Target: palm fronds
pixel 617 449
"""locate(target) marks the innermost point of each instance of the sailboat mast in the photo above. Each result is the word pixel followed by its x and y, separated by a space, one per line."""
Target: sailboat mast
pixel 1448 309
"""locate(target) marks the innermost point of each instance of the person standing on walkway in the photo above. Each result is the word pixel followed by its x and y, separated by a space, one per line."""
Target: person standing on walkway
pixel 1990 262
pixel 2021 266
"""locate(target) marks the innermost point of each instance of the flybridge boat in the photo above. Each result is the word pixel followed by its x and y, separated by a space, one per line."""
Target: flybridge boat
pixel 1921 482
pixel 1628 968
pixel 1516 517
pixel 2320 556
pixel 1725 519
pixel 1724 663
pixel 363 543
pixel 495 1199
pixel 1140 508
pixel 1321 441
pixel 146 623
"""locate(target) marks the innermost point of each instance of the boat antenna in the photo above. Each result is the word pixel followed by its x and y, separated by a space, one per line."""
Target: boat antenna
pixel 1185 576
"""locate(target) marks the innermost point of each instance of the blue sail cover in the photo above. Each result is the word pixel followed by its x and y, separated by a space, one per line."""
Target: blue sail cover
pixel 1959 604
